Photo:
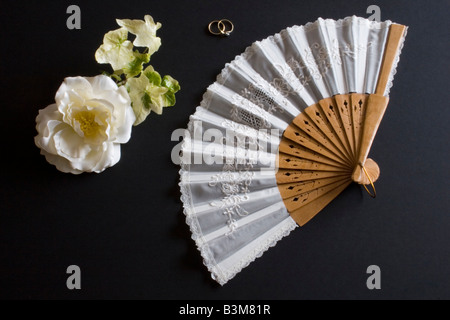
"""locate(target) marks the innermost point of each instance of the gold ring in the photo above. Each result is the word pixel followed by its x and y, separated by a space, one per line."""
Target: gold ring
pixel 224 24
pixel 213 30
pixel 374 194
pixel 221 27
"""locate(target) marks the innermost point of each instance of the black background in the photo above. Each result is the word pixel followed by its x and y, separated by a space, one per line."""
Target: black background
pixel 125 227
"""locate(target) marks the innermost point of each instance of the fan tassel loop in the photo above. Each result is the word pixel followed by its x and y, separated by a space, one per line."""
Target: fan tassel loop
pixel 374 194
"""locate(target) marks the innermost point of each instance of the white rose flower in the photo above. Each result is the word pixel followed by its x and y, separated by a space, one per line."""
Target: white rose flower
pixel 83 130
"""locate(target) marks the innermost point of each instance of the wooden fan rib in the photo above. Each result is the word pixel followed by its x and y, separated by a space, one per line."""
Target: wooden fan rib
pixel 297 135
pixel 308 211
pixel 329 109
pixel 358 108
pixel 377 102
pixel 307 125
pixel 292 148
pixel 375 108
pixel 393 42
pixel 289 176
pixel 298 201
pixel 317 115
pixel 343 102
pixel 286 161
pixel 289 190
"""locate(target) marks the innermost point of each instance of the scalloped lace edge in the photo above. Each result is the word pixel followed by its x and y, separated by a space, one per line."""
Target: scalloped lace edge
pixel 220 275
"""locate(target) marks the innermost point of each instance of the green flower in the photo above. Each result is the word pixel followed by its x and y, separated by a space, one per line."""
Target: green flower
pixel 116 49
pixel 145 32
pixel 150 93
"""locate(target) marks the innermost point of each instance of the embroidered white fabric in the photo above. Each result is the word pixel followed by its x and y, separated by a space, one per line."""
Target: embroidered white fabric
pixel 228 186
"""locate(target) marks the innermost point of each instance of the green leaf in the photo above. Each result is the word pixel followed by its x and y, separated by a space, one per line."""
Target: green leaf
pixel 135 67
pixel 152 76
pixel 157 96
pixel 147 101
pixel 171 84
pixel 137 90
pixel 145 32
pixel 149 92
pixel 116 49
pixel 169 99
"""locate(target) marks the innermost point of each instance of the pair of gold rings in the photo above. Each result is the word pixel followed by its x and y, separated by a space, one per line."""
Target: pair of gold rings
pixel 221 27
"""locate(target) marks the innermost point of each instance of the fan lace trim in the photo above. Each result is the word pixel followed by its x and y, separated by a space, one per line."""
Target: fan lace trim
pixel 218 274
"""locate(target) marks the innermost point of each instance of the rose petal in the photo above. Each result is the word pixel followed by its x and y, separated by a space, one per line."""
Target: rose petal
pixel 70 145
pixel 60 163
pixel 69 100
pixel 48 121
pixel 123 134
pixel 110 156
pixel 78 84
pixel 45 115
pixel 102 83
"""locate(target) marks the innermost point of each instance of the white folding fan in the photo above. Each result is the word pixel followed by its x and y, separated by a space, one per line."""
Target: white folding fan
pixel 284 129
